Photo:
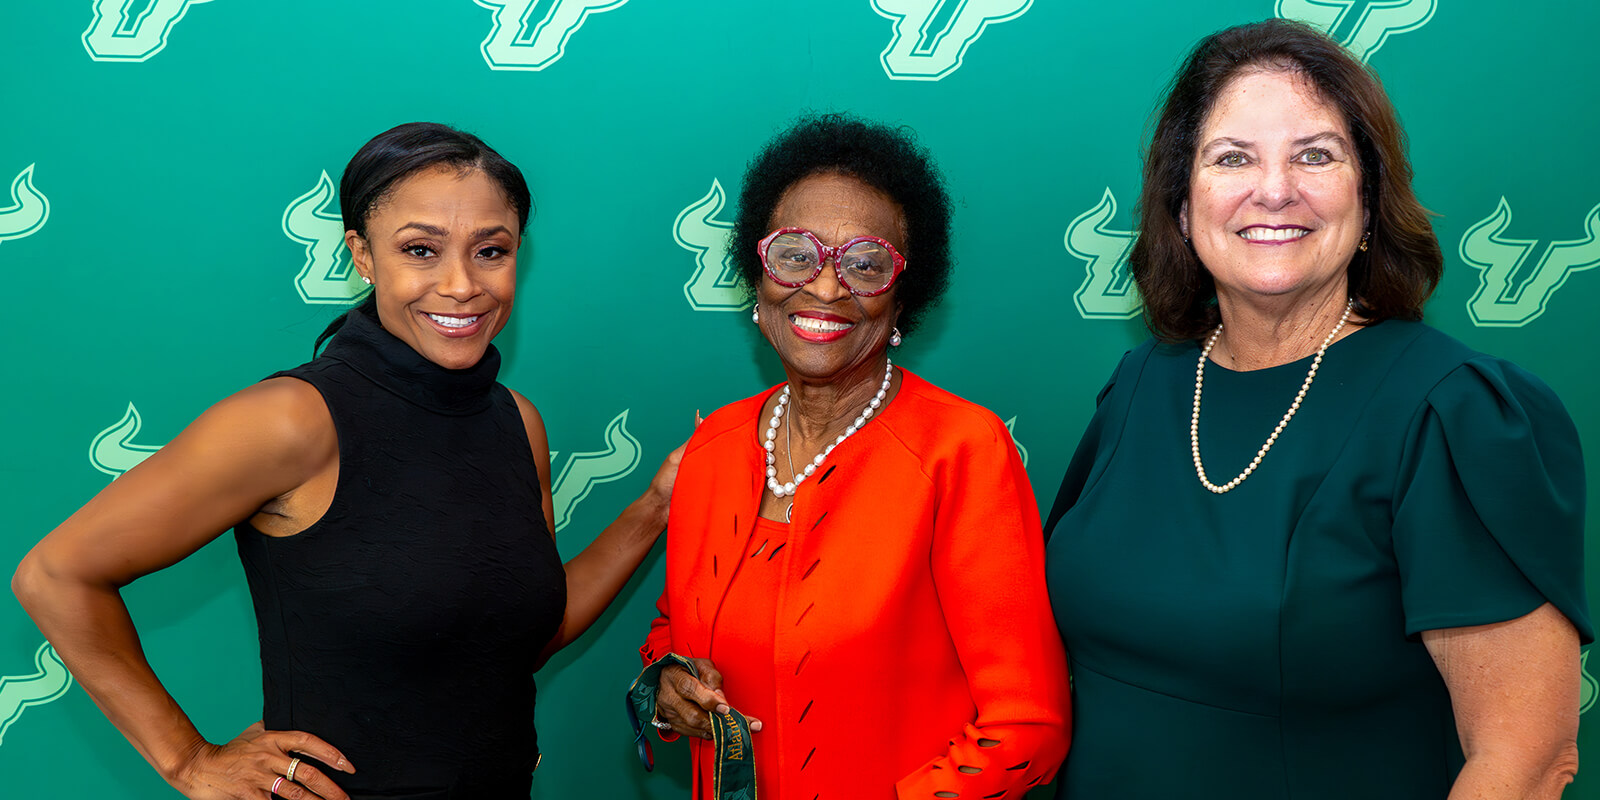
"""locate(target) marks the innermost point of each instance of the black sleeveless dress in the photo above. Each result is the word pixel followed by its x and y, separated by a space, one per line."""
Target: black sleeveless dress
pixel 404 626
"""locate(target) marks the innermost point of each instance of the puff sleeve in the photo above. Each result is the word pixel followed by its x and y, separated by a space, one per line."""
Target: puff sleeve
pixel 1489 505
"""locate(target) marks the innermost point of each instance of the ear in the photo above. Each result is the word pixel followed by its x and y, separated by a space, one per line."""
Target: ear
pixel 360 255
pixel 1183 218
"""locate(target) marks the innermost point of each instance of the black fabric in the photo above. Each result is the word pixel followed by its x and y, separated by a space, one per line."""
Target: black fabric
pixel 404 626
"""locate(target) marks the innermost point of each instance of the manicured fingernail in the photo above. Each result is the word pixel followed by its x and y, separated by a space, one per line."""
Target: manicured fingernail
pixel 722 708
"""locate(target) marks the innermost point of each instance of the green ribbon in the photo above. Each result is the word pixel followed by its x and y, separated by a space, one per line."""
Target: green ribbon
pixel 735 775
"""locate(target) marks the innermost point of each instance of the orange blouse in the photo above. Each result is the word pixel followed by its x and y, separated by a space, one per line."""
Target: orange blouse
pixel 913 649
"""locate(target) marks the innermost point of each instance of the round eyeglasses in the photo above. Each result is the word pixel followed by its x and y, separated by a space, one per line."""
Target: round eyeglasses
pixel 866 265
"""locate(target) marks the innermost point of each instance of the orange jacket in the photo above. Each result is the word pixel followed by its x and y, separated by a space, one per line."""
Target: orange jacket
pixel 915 646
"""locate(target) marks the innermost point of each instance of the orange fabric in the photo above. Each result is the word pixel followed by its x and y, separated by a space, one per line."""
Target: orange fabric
pixel 743 642
pixel 912 627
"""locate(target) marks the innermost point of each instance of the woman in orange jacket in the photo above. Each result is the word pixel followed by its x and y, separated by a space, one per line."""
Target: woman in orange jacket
pixel 854 558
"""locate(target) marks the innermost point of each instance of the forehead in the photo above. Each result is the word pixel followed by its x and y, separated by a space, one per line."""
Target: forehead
pixel 1265 103
pixel 445 191
pixel 836 206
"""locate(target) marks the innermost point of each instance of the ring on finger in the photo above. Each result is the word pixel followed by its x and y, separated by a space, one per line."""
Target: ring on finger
pixel 660 725
pixel 288 774
pixel 275 785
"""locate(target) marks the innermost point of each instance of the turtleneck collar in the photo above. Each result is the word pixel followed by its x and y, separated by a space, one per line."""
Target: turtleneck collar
pixel 369 349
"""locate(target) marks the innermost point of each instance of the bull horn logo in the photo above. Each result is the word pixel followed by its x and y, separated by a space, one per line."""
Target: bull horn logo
pixel 29 208
pixel 931 37
pixel 113 451
pixel 1107 291
pixel 121 31
pixel 519 41
pixel 312 219
pixel 20 692
pixel 1362 26
pixel 584 471
pixel 1509 295
pixel 714 286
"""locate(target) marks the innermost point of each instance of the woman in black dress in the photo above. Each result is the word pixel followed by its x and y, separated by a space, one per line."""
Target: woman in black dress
pixel 393 514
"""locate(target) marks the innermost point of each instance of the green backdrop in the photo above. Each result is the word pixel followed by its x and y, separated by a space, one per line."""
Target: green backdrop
pixel 173 233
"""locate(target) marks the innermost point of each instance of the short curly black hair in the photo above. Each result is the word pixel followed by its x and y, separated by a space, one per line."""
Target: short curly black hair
pixel 885 158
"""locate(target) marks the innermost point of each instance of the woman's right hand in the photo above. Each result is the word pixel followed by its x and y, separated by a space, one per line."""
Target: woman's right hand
pixel 248 766
pixel 686 702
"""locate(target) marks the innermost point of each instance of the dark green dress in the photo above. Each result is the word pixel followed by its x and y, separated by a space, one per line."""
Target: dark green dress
pixel 1265 643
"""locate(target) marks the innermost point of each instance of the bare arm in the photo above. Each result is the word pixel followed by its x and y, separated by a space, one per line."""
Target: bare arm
pixel 251 448
pixel 1514 686
pixel 596 575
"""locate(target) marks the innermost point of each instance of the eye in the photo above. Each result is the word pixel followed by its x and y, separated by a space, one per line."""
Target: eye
pixel 417 250
pixel 492 252
pixel 1233 158
pixel 1317 156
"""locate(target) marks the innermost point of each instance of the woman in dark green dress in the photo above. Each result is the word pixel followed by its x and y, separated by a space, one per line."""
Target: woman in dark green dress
pixel 1310 547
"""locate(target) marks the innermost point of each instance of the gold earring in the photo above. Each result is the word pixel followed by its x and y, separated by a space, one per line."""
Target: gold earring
pixel 1363 245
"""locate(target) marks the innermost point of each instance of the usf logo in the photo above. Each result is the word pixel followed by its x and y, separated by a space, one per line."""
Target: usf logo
pixel 532 34
pixel 129 30
pixel 48 683
pixel 932 36
pixel 1510 293
pixel 29 208
pixel 1362 26
pixel 1107 291
pixel 584 471
pixel 713 286
pixel 113 450
pixel 312 219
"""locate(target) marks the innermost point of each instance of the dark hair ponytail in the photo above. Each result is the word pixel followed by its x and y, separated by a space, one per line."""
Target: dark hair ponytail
pixel 398 153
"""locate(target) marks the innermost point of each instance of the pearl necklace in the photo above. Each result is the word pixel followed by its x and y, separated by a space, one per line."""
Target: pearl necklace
pixel 1199 381
pixel 788 489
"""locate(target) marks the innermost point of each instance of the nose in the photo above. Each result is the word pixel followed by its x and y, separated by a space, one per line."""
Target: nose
pixel 827 287
pixel 456 279
pixel 1277 188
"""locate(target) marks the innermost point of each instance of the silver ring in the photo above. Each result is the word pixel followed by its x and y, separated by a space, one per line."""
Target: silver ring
pixel 275 785
pixel 289 773
pixel 661 726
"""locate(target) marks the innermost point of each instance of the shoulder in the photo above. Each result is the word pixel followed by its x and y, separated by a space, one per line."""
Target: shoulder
pixel 525 407
pixel 724 425
pixel 532 422
pixel 1460 374
pixel 279 420
pixel 930 414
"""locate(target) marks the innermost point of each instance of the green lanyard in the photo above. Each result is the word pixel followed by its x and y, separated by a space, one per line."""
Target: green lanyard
pixel 735 774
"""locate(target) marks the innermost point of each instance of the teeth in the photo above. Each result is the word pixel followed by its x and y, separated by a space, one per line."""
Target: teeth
pixel 815 325
pixel 453 322
pixel 1273 235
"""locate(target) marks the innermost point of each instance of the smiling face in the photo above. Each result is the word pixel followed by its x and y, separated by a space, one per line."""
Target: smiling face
pixel 821 330
pixel 441 252
pixel 1274 204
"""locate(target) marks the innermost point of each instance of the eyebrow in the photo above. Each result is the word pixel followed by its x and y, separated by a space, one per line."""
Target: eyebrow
pixel 435 230
pixel 1301 142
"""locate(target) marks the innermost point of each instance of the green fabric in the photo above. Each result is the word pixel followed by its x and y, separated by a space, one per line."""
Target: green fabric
pixel 1264 643
pixel 735 778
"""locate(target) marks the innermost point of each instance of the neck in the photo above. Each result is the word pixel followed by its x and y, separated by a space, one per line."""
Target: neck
pixel 1258 333
pixel 822 410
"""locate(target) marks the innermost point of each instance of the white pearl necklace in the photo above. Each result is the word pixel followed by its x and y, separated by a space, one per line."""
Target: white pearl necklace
pixel 1199 381
pixel 788 489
